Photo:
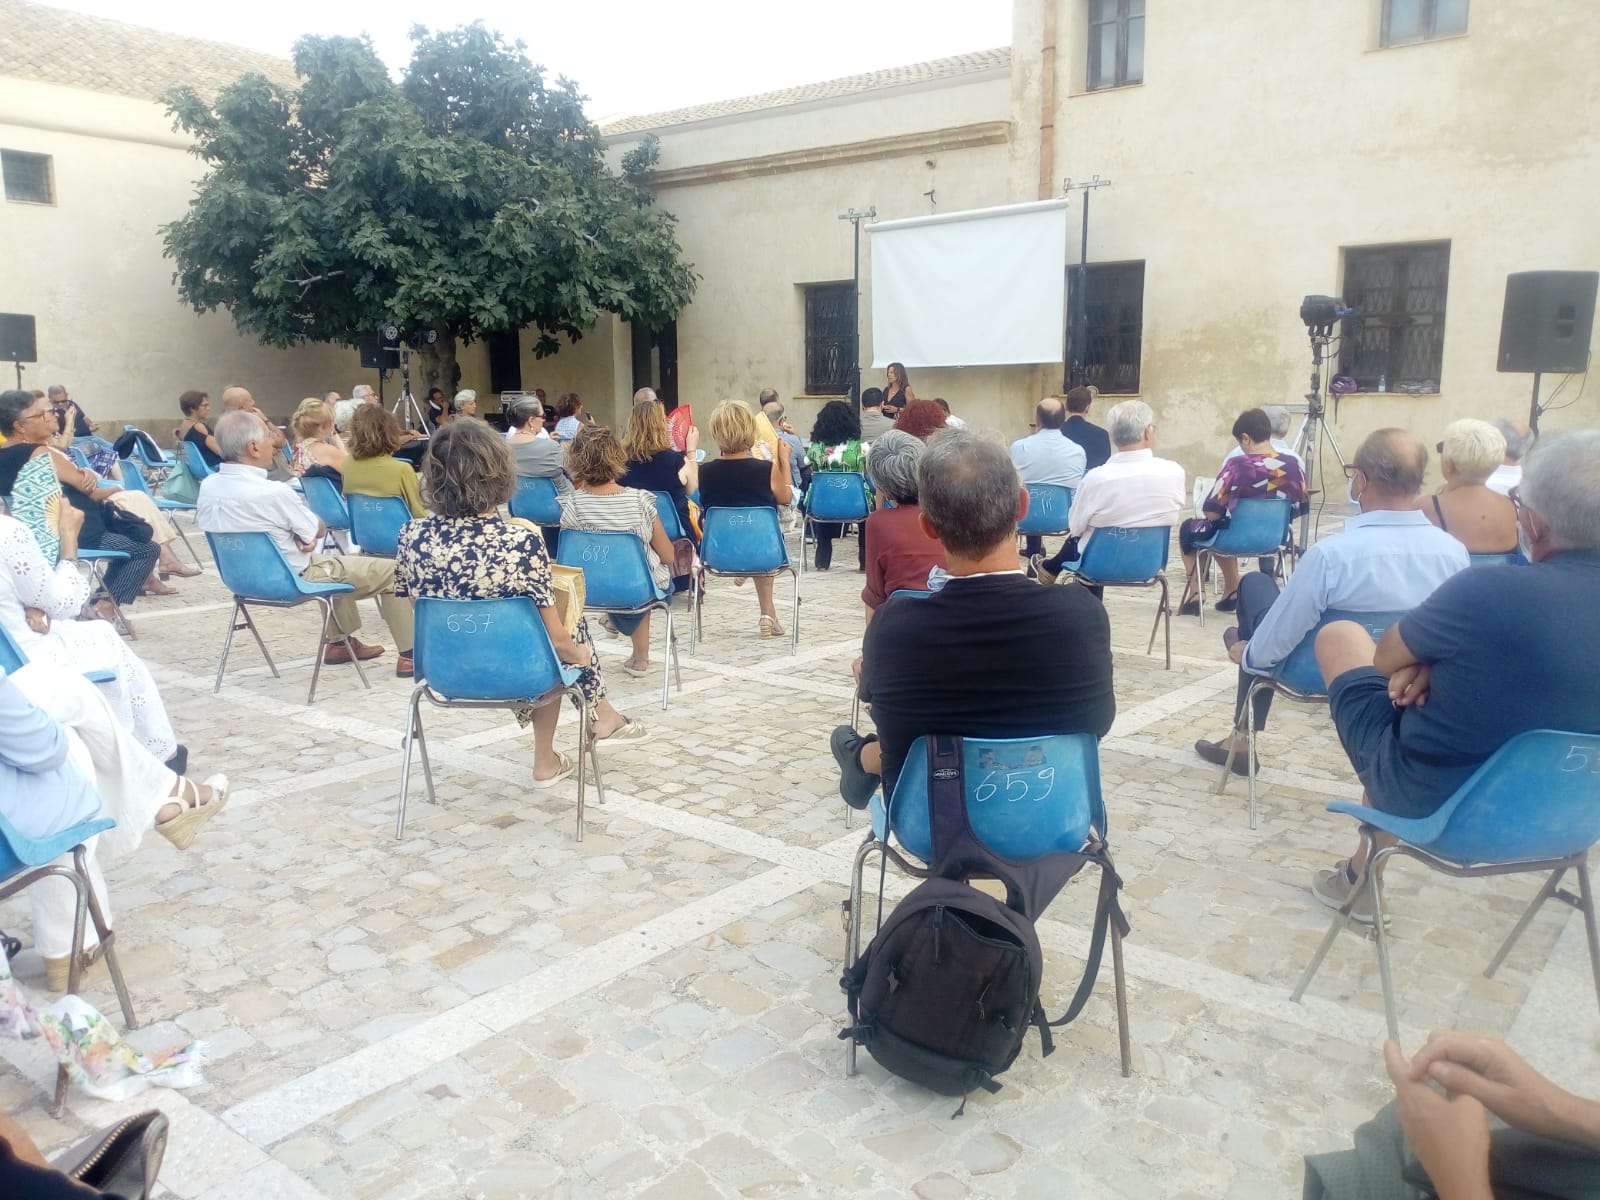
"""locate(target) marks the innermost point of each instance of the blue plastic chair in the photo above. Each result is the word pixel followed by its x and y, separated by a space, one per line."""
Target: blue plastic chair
pixel 256 572
pixel 536 500
pixel 24 861
pixel 1114 557
pixel 839 497
pixel 325 502
pixel 1026 797
pixel 133 479
pixel 744 542
pixel 1258 528
pixel 1048 507
pixel 376 521
pixel 461 661
pixel 1296 678
pixel 198 467
pixel 1512 559
pixel 12 660
pixel 76 454
pixel 616 579
pixel 1533 806
pixel 668 512
pixel 166 460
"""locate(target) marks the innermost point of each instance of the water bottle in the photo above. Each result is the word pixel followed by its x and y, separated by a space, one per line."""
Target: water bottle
pixel 1383 383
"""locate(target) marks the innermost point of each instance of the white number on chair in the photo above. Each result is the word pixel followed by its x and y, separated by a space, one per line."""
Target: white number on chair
pixel 467 623
pixel 1579 758
pixel 1032 784
pixel 596 554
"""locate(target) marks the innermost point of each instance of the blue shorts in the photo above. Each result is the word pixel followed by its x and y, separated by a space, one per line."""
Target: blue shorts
pixel 1369 727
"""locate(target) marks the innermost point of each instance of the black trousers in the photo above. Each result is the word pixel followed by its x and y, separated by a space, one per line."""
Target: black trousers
pixel 827 531
pixel 125 576
pixel 1257 591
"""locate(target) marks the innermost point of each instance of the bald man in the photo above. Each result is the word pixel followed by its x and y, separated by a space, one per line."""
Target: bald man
pixel 238 399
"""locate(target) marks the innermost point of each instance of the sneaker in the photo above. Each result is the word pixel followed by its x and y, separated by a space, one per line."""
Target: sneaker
pixel 855 785
pixel 1333 888
pixel 1216 753
pixel 1039 572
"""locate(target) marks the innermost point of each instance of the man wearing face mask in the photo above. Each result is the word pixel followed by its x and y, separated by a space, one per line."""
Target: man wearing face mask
pixel 1494 652
pixel 1389 558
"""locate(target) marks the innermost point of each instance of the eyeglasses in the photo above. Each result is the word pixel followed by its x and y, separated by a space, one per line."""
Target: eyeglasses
pixel 33 416
pixel 1350 470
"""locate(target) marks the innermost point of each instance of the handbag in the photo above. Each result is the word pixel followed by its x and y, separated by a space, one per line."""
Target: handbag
pixel 121 1160
pixel 570 592
pixel 180 485
pixel 120 521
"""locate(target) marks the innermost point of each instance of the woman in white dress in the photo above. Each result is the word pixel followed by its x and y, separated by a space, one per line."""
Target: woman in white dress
pixel 39 605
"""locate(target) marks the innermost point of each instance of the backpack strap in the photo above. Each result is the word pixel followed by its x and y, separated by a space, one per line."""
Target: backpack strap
pixel 1107 910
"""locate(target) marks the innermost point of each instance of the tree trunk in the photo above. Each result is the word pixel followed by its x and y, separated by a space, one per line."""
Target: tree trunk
pixel 439 368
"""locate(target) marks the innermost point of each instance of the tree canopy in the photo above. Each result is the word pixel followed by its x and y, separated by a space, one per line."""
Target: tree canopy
pixel 472 197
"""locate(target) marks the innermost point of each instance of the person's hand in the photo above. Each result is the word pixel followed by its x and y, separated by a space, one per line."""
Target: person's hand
pixel 38 620
pixel 574 655
pixel 692 439
pixel 69 520
pixel 784 451
pixel 1236 651
pixel 1448 1134
pixel 1494 1074
pixel 410 435
pixel 1409 685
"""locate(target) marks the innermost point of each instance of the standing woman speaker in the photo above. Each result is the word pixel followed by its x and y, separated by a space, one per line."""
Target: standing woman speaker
pixel 898 393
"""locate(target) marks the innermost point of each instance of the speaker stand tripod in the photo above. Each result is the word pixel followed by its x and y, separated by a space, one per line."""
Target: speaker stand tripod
pixel 405 404
pixel 17 363
pixel 1312 428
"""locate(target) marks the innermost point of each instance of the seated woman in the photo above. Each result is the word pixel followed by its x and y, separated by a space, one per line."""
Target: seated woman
pixel 1483 521
pixel 569 417
pixel 537 455
pixel 1259 471
pixel 903 556
pixel 599 502
pixel 465 403
pixel 656 467
pixel 315 442
pixel 835 445
pixel 38 479
pixel 737 479
pixel 467 551
pixel 65 758
pixel 920 418
pixel 196 427
pixel 371 468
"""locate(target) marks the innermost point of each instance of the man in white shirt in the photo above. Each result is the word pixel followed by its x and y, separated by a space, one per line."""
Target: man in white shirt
pixel 1519 440
pixel 1045 456
pixel 240 498
pixel 1133 489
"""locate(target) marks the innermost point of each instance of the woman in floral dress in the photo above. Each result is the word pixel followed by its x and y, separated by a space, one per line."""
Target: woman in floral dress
pixel 836 446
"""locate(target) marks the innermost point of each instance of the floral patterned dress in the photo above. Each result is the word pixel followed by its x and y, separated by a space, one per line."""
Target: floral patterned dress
pixel 486 558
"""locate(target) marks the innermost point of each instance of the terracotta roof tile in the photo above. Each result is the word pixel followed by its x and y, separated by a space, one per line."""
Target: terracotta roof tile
pixel 922 72
pixel 75 50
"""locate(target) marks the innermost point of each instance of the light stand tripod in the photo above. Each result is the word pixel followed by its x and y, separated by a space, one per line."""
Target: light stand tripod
pixel 405 404
pixel 1313 426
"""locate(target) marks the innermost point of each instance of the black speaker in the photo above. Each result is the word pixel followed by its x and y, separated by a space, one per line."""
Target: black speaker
pixel 1547 320
pixel 18 339
pixel 379 353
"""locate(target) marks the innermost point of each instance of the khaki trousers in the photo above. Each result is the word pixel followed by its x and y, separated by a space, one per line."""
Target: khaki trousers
pixel 370 577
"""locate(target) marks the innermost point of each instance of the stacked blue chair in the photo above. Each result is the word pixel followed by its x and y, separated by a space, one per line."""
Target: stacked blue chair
pixel 196 462
pixel 745 542
pixel 23 862
pixel 376 521
pixel 139 452
pixel 1534 806
pixel 1116 557
pixel 1026 797
pixel 256 572
pixel 1258 528
pixel 461 661
pixel 616 579
pixel 133 479
pixel 1297 678
pixel 838 497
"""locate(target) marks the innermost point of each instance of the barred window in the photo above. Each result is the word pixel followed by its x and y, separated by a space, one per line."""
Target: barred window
pixel 1113 326
pixel 1116 43
pixel 830 338
pixel 27 177
pixel 1421 20
pixel 1397 334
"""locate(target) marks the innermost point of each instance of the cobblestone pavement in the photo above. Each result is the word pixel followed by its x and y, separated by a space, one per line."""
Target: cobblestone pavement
pixel 488 1008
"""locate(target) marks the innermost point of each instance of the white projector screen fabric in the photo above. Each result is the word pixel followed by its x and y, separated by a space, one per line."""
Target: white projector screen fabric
pixel 978 288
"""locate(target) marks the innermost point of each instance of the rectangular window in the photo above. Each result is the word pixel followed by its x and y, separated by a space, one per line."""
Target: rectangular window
pixel 830 338
pixel 1396 337
pixel 505 361
pixel 1421 20
pixel 27 177
pixel 1113 326
pixel 1116 43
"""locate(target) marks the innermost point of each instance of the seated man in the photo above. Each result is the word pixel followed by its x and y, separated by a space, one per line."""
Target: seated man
pixel 1133 489
pixel 1495 651
pixel 988 655
pixel 1095 441
pixel 1389 558
pixel 240 498
pixel 1046 456
pixel 1519 441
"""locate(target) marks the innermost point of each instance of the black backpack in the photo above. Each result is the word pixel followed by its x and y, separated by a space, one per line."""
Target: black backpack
pixel 947 989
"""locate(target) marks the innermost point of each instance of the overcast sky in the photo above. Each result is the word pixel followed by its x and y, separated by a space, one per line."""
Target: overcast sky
pixel 627 56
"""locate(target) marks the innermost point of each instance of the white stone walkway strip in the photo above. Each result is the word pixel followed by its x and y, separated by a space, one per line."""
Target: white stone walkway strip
pixel 289 1107
pixel 1141 716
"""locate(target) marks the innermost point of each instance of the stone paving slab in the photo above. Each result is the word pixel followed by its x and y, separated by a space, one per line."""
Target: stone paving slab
pixel 488 1008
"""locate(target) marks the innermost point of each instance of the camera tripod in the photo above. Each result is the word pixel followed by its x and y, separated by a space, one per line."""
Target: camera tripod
pixel 1313 427
pixel 405 404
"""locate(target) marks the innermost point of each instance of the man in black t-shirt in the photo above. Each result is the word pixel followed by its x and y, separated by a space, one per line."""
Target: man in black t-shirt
pixel 991 654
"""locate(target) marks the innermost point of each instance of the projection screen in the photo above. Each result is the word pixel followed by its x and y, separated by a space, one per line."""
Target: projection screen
pixel 977 288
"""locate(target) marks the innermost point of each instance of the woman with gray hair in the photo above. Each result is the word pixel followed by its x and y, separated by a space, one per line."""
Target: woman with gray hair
pixel 900 553
pixel 1481 520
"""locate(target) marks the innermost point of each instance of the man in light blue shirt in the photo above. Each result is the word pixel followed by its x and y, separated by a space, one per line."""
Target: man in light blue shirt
pixel 1047 457
pixel 1389 559
pixel 41 792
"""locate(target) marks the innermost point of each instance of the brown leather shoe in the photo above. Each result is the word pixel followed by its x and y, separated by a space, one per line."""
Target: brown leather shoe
pixel 336 655
pixel 402 666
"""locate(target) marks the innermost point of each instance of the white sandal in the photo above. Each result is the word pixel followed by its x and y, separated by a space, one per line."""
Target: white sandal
pixel 180 830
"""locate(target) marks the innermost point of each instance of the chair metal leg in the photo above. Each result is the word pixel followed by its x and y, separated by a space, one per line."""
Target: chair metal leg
pixel 1224 775
pixel 669 660
pixel 1250 748
pixel 250 624
pixel 187 545
pixel 413 731
pixel 1551 883
pixel 1385 977
pixel 586 742
pixel 594 765
pixel 1202 565
pixel 1336 926
pixel 1124 1044
pixel 696 585
pixel 794 617
pixel 108 940
pixel 80 887
pixel 852 928
pixel 322 642
pixel 1590 924
pixel 227 645
pixel 1162 610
